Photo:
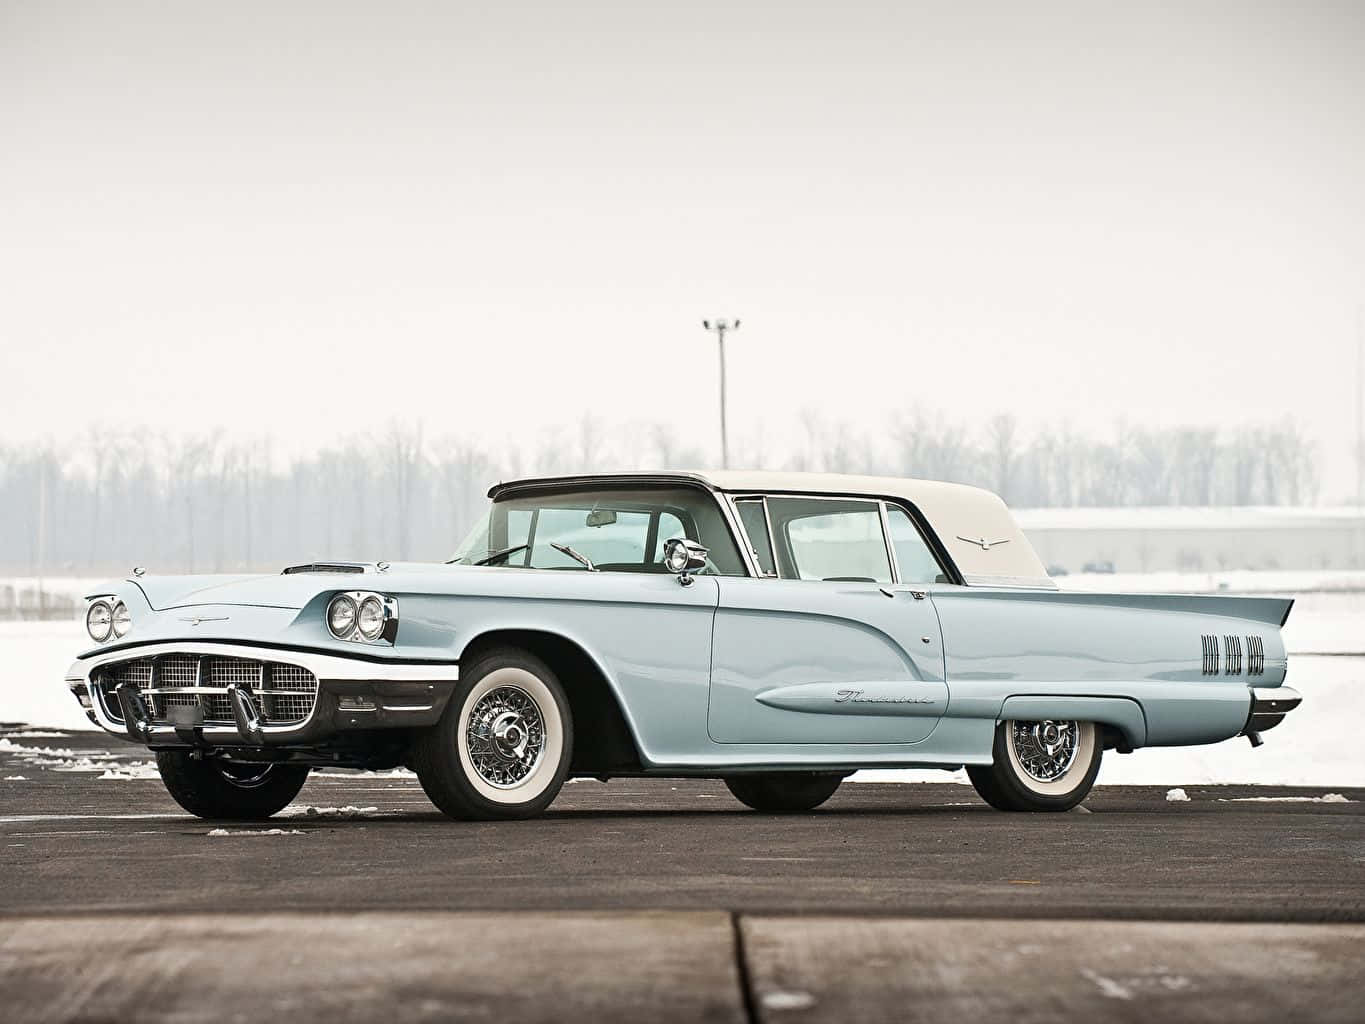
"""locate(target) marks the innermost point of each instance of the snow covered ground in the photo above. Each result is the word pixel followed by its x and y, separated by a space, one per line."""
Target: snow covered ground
pixel 1317 745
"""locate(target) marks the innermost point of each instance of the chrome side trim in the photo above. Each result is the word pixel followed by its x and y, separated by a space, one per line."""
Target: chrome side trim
pixel 1010 582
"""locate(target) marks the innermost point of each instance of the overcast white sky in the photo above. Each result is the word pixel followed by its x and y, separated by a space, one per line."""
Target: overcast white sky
pixel 307 220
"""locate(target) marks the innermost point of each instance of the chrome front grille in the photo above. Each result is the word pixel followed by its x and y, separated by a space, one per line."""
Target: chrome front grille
pixel 294 690
pixel 282 694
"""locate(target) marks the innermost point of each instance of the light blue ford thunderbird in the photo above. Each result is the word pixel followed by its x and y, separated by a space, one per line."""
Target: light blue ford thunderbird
pixel 777 631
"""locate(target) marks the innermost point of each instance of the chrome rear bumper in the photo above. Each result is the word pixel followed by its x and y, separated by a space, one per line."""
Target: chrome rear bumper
pixel 1269 705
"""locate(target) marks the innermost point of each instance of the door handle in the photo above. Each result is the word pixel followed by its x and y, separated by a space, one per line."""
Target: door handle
pixel 918 595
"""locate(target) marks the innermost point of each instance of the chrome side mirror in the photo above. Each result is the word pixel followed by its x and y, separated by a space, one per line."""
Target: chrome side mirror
pixel 683 558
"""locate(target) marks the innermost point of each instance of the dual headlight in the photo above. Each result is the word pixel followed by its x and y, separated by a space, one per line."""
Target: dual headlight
pixel 362 616
pixel 106 618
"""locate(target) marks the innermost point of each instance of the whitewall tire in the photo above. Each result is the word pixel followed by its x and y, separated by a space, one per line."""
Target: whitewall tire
pixel 504 744
pixel 1040 766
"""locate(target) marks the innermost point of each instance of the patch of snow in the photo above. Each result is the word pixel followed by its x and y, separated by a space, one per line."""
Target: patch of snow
pixel 15 778
pixel 787 1000
pixel 137 771
pixel 1326 798
pixel 938 775
pixel 216 832
pixel 36 657
pixel 18 748
pixel 36 734
pixel 1177 796
pixel 1109 988
pixel 346 812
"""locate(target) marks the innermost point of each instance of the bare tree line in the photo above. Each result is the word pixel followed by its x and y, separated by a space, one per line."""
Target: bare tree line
pixel 207 503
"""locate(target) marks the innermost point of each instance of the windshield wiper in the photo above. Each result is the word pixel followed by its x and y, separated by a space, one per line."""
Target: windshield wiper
pixel 498 556
pixel 580 558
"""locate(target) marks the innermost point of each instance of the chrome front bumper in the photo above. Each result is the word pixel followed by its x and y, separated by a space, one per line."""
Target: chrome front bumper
pixel 353 694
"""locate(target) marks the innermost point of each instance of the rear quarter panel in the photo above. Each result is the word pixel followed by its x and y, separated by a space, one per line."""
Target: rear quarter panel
pixel 1119 650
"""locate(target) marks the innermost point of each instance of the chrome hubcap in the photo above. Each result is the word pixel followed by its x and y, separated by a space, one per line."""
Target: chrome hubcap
pixel 1046 750
pixel 245 776
pixel 506 736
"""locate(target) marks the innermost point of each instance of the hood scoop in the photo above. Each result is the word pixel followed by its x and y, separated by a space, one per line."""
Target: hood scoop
pixel 332 567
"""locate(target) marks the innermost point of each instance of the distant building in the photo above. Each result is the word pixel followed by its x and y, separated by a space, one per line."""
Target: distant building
pixel 1195 539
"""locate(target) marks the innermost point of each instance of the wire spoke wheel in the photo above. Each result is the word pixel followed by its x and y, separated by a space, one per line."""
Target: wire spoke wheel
pixel 1040 765
pixel 504 744
pixel 506 736
pixel 1046 750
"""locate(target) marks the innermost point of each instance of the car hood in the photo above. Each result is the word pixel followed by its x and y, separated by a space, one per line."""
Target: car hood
pixel 286 590
pixel 259 591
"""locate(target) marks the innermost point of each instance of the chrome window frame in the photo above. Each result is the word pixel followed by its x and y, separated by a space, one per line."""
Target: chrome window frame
pixel 727 511
pixel 877 501
pixel 733 501
pixel 921 527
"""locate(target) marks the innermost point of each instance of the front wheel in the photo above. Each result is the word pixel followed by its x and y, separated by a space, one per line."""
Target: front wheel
pixel 503 746
pixel 1039 766
pixel 784 792
pixel 229 790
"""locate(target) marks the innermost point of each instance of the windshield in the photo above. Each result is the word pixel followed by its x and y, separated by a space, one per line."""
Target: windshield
pixel 614 530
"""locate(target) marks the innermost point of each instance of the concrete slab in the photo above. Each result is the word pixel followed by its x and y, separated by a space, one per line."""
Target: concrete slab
pixel 809 969
pixel 525 967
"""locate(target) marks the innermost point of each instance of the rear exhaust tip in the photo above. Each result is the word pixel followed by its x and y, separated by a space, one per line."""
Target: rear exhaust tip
pixel 1254 738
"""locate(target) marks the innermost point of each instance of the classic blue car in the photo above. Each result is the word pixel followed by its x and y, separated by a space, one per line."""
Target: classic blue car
pixel 777 631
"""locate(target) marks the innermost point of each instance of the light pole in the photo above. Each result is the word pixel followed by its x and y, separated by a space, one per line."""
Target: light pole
pixel 721 327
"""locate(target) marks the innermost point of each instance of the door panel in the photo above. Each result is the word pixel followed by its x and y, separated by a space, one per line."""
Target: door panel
pixel 823 662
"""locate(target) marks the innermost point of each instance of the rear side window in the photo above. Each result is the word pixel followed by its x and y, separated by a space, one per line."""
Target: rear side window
pixel 913 557
pixel 830 539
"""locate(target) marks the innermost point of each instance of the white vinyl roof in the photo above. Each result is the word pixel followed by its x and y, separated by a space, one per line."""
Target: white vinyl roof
pixel 962 516
pixel 973 524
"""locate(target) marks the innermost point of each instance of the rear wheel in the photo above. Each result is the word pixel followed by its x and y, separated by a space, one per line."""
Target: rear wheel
pixel 784 792
pixel 229 790
pixel 1039 766
pixel 503 746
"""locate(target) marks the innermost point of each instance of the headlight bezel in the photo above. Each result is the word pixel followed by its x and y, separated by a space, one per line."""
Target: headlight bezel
pixel 107 606
pixel 387 626
pixel 374 607
pixel 120 609
pixel 342 601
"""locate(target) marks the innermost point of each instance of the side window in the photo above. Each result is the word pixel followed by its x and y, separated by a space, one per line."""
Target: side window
pixel 755 522
pixel 913 557
pixel 670 526
pixel 834 539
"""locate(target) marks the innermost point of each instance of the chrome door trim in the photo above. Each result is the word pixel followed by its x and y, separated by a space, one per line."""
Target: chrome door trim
pixel 734 500
pixel 886 536
pixel 737 533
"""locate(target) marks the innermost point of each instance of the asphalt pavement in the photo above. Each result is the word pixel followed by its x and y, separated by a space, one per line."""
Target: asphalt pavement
pixel 666 899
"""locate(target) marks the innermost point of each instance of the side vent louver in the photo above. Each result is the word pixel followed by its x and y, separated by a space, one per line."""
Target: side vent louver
pixel 1210 643
pixel 1232 649
pixel 1225 655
